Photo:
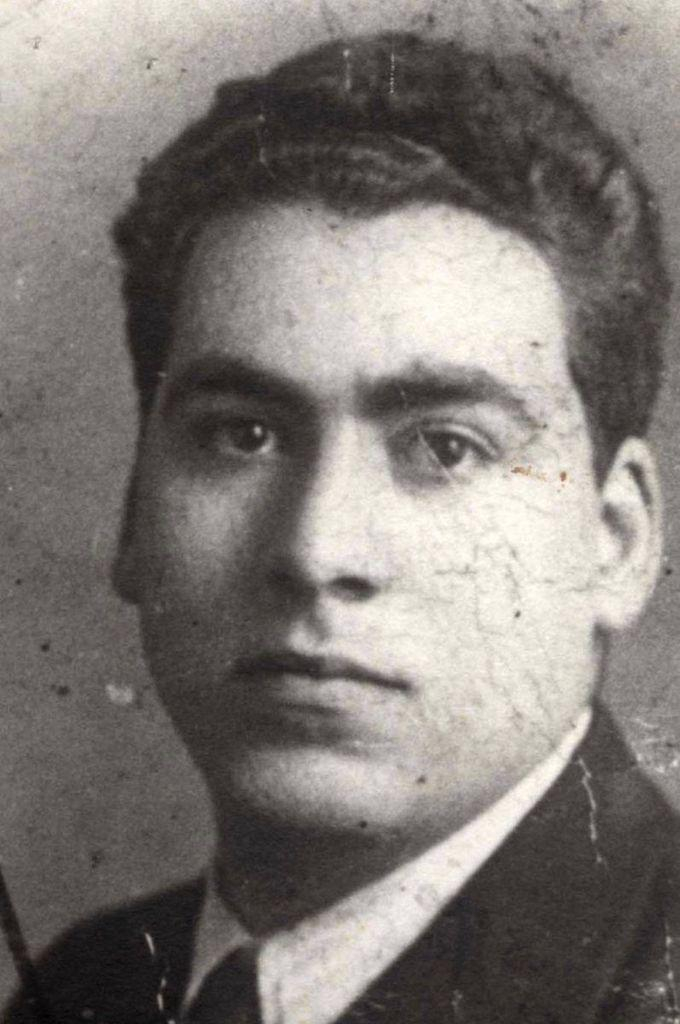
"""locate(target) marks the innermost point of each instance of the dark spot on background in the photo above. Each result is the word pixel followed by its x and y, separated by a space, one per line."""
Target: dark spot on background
pixel 532 9
pixel 45 646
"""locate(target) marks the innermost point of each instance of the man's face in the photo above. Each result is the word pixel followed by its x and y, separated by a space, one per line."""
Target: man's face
pixel 364 540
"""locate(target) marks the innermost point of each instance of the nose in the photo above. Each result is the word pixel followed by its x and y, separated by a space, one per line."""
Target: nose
pixel 331 543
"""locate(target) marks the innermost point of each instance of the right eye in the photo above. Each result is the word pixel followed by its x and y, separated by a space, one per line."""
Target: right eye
pixel 239 436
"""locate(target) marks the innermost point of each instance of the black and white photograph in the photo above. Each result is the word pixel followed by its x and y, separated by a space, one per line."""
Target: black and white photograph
pixel 339 423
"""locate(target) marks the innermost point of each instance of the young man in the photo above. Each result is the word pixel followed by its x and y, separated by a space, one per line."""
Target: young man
pixel 394 311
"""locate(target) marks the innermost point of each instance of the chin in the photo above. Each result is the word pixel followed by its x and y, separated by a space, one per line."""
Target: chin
pixel 314 791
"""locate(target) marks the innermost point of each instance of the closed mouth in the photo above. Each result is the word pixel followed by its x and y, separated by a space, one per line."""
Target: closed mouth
pixel 320 667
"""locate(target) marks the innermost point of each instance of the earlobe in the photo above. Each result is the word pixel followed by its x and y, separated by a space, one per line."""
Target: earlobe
pixel 629 537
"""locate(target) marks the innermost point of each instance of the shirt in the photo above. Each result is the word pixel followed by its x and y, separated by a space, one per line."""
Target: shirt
pixel 312 972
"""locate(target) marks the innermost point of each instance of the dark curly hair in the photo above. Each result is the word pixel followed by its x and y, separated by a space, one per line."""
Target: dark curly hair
pixel 372 124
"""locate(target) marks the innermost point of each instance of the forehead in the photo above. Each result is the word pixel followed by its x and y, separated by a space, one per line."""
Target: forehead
pixel 324 298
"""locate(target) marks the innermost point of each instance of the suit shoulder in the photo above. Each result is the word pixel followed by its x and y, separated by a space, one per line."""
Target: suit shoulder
pixel 116 958
pixel 616 790
pixel 636 810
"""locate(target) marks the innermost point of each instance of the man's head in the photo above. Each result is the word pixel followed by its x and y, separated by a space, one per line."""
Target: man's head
pixel 394 311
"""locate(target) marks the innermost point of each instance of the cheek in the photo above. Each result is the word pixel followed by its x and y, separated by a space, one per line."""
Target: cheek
pixel 513 530
pixel 200 574
pixel 198 540
pixel 195 609
pixel 509 580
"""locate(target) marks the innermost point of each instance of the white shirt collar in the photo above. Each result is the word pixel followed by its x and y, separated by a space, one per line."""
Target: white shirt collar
pixel 312 972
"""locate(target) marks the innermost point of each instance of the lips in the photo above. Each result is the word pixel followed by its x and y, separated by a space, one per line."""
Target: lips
pixel 320 667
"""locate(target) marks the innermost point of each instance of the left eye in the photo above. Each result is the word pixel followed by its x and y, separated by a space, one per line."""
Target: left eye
pixel 446 448
pixel 437 453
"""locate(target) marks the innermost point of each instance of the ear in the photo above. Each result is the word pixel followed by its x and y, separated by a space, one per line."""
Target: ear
pixel 629 536
pixel 125 568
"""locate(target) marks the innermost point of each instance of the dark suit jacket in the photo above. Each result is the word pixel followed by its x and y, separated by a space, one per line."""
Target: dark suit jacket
pixel 574 920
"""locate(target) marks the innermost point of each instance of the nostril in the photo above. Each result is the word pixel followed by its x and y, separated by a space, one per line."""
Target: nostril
pixel 297 585
pixel 353 588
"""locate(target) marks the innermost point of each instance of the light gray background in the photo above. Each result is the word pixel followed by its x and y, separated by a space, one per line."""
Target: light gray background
pixel 97 799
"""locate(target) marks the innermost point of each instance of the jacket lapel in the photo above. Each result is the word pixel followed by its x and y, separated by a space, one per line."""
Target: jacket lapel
pixel 171 928
pixel 566 901
pixel 538 935
pixel 143 977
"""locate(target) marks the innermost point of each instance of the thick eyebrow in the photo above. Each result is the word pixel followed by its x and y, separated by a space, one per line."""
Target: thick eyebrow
pixel 417 387
pixel 427 387
pixel 228 375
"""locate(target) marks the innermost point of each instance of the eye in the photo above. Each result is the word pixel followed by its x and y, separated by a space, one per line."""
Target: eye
pixel 440 453
pixel 447 449
pixel 239 436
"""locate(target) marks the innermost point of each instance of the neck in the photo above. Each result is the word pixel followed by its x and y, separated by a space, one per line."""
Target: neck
pixel 274 876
